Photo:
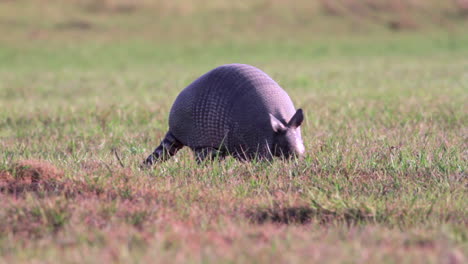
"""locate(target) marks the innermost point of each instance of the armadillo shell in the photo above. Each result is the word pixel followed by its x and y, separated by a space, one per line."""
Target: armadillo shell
pixel 228 108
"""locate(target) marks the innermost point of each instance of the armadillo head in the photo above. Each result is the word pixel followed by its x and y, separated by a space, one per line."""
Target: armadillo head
pixel 287 140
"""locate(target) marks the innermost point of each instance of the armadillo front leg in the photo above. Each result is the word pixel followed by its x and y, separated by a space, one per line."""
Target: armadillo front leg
pixel 208 153
pixel 168 148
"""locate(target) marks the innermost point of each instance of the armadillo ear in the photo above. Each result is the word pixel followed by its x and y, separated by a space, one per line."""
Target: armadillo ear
pixel 276 125
pixel 297 119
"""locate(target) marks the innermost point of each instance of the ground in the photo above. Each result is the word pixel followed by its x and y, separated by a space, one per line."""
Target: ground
pixel 85 92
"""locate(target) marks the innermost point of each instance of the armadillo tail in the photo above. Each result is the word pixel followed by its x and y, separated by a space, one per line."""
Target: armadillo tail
pixel 168 148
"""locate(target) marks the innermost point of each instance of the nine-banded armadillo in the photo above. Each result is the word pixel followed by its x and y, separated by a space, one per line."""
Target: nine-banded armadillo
pixel 233 109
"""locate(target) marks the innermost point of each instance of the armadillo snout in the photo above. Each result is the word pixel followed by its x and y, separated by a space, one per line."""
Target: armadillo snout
pixel 299 150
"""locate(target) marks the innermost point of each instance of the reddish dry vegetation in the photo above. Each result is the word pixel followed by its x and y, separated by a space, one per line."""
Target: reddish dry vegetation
pixel 117 209
pixel 396 14
pixel 121 199
pixel 43 178
pixel 30 175
pixel 31 172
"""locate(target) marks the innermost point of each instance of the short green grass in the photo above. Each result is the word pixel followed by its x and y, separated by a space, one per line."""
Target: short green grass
pixel 384 178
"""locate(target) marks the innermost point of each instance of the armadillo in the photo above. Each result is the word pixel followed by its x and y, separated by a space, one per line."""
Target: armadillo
pixel 234 109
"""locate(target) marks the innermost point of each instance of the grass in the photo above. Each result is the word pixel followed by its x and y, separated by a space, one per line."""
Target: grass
pixel 82 104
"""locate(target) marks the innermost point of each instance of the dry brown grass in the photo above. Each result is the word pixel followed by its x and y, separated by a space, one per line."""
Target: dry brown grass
pixel 35 171
pixel 30 175
pixel 396 14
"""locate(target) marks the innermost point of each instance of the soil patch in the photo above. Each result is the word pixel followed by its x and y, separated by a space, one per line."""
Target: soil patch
pixel 30 175
pixel 304 215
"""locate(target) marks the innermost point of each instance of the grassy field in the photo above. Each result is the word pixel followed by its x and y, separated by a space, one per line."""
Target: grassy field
pixel 85 92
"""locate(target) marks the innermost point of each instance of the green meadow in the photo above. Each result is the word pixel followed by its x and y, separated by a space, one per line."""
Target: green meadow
pixel 85 93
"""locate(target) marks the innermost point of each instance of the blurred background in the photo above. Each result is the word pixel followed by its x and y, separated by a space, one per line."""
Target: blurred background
pixel 186 25
pixel 210 21
pixel 69 55
pixel 54 53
